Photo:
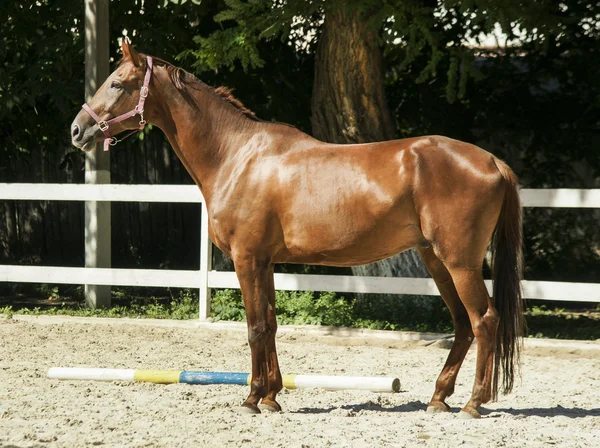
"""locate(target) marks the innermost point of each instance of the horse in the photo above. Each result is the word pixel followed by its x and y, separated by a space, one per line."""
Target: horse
pixel 277 195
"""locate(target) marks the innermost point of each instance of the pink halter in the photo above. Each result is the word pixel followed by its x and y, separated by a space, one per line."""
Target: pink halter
pixel 138 110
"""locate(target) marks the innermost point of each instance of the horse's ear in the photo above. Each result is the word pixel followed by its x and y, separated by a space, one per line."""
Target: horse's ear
pixel 125 47
pixel 129 52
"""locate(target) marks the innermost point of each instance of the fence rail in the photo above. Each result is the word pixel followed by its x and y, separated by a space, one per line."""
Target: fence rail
pixel 556 198
pixel 204 279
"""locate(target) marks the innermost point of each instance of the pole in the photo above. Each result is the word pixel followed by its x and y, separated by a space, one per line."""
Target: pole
pixel 97 162
pixel 205 264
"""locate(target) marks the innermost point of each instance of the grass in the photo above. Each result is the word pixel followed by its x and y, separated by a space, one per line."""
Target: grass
pixel 390 313
pixel 325 308
pixel 185 306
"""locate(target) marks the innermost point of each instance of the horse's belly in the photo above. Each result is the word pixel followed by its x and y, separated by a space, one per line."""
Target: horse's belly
pixel 346 241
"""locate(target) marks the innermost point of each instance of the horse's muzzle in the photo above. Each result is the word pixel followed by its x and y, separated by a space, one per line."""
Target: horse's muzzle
pixel 83 137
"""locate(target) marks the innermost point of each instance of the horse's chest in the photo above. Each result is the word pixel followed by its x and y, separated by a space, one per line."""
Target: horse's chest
pixel 221 232
pixel 238 226
pixel 215 237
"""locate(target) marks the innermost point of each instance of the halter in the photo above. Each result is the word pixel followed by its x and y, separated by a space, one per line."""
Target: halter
pixel 137 110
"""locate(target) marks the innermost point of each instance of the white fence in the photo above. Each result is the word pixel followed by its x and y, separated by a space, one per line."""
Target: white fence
pixel 205 278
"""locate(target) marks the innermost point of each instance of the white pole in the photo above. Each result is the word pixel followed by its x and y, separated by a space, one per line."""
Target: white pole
pixel 91 374
pixel 373 384
pixel 205 264
pixel 97 162
pixel 290 381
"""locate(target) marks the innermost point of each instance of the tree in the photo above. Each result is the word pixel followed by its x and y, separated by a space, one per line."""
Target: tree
pixel 348 99
pixel 420 41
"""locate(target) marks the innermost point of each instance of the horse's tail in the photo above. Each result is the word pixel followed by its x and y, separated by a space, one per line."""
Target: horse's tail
pixel 507 265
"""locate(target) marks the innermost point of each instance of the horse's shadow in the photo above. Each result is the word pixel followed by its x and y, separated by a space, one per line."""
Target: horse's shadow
pixel 546 412
pixel 368 406
pixel 414 406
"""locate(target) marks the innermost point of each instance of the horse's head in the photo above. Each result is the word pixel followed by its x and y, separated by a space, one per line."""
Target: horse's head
pixel 118 105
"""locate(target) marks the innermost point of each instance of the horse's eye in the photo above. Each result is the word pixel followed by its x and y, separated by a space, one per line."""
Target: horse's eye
pixel 116 85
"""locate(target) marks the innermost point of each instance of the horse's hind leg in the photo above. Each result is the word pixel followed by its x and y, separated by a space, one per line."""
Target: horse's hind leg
pixel 484 321
pixel 444 386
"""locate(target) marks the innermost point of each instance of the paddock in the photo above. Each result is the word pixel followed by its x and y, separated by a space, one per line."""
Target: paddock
pixel 556 403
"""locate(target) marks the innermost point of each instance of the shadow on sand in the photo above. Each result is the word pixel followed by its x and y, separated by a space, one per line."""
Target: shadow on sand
pixel 415 406
pixel 545 412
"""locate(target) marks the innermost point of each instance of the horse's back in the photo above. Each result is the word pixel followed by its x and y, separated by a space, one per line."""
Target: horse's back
pixel 375 200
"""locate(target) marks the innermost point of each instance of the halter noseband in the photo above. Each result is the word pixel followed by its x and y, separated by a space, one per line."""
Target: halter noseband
pixel 137 110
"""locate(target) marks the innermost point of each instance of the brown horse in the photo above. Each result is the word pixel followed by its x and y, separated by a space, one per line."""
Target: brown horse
pixel 277 195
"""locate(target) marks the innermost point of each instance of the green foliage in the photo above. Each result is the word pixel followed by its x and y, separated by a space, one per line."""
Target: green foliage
pixel 328 308
pixel 7 312
pixel 554 236
pixel 49 291
pixel 546 322
pixel 224 48
pixel 302 307
pixel 184 306
pixel 297 307
pixel 387 312
pixel 380 312
pixel 227 305
pixel 244 24
pixel 307 308
pixel 422 36
pixel 41 73
pixel 293 307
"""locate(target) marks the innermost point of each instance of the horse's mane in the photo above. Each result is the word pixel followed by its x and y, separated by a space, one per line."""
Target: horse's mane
pixel 227 94
pixel 181 79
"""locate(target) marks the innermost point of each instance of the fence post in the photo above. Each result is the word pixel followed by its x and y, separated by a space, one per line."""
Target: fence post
pixel 97 162
pixel 205 264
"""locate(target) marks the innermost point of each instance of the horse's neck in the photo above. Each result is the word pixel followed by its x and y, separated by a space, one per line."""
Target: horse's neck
pixel 203 130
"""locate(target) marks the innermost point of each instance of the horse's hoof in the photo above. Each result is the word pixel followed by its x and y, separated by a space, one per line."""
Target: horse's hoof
pixel 249 408
pixel 468 413
pixel 435 407
pixel 269 405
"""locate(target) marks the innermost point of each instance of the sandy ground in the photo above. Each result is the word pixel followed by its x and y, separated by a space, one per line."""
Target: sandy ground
pixel 557 403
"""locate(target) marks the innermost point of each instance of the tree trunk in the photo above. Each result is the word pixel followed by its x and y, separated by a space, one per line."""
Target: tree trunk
pixel 348 102
pixel 349 105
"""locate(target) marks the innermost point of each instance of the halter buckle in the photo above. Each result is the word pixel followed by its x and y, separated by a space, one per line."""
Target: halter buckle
pixel 144 92
pixel 103 125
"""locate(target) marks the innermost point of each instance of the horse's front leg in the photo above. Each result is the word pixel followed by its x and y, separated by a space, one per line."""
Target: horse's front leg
pixel 273 372
pixel 253 273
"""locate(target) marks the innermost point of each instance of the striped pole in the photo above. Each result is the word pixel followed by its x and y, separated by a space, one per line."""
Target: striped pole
pixel 374 384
